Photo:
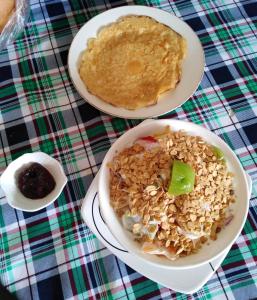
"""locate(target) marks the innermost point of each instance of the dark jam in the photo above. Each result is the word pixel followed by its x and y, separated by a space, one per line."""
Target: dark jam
pixel 35 181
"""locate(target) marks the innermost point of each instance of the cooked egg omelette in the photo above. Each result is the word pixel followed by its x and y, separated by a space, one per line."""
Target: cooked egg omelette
pixel 132 61
pixel 7 8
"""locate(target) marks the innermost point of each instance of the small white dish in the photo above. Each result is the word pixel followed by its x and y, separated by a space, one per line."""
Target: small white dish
pixel 192 68
pixel 13 195
pixel 226 237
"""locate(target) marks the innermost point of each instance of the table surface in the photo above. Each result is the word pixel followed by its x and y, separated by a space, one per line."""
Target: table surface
pixel 51 254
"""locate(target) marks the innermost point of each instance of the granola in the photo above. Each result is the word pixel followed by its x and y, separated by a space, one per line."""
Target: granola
pixel 174 226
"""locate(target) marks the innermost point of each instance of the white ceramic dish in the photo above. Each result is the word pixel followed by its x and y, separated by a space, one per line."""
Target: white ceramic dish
pixel 12 192
pixel 192 69
pixel 225 238
pixel 186 281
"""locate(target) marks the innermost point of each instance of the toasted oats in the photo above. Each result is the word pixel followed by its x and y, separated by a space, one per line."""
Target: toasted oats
pixel 180 250
pixel 193 217
pixel 153 193
pixel 167 243
pixel 150 188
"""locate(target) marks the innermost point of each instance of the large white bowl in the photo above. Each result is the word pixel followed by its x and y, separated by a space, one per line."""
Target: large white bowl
pixel 225 238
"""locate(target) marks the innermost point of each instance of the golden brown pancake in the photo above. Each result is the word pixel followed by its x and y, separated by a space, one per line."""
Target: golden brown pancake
pixel 6 10
pixel 132 61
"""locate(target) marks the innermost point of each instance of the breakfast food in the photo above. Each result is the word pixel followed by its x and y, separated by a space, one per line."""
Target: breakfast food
pixel 172 191
pixel 7 8
pixel 132 61
pixel 35 181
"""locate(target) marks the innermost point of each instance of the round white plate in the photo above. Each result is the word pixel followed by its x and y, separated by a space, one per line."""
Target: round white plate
pixel 192 68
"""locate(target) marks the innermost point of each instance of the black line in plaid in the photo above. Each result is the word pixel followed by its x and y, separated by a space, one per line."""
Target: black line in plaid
pixel 142 288
pixel 233 273
pixel 177 3
pixel 57 266
pixel 43 14
pixel 213 45
pixel 234 40
pixel 252 218
pixel 246 19
pixel 6 163
pixel 105 4
pixel 252 9
pixel 244 274
pixel 234 246
pixel 203 113
pixel 33 55
pixel 28 225
pixel 217 273
pixel 243 1
pixel 42 111
pixel 121 276
pixel 25 260
pixel 22 245
pixel 248 152
pixel 171 7
pixel 152 294
pixel 233 123
pixel 246 61
pixel 236 99
pixel 2 144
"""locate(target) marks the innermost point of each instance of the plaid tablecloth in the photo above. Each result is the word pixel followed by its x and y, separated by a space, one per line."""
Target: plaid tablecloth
pixel 51 254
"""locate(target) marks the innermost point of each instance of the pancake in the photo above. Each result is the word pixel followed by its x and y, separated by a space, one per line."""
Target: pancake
pixel 132 61
pixel 7 8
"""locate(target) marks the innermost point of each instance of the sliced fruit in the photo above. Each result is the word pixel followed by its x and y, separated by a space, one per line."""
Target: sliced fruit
pixel 129 220
pixel 182 179
pixel 217 152
pixel 149 139
pixel 153 248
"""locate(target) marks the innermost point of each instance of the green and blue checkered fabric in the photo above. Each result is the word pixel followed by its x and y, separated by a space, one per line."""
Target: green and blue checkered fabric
pixel 51 254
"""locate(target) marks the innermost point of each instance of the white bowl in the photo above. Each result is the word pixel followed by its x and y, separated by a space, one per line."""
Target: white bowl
pixel 13 195
pixel 226 237
pixel 193 63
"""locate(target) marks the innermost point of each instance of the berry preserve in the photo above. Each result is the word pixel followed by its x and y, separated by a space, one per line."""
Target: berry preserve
pixel 35 181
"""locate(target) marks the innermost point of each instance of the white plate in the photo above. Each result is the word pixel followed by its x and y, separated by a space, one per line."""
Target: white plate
pixel 192 68
pixel 209 251
pixel 186 281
